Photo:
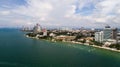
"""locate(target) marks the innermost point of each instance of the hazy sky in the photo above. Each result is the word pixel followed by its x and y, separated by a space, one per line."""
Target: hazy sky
pixel 79 13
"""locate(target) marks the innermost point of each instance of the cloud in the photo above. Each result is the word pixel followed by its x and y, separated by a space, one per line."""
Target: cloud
pixel 4 12
pixel 35 8
pixel 88 13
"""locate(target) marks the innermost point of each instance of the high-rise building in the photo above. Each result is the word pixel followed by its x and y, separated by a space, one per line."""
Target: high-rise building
pixel 109 33
pixel 37 28
pixel 44 32
pixel 118 37
pixel 114 33
pixel 99 36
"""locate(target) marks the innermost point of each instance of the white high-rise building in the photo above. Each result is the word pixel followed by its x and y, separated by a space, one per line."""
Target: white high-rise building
pixel 37 28
pixel 107 35
pixel 99 36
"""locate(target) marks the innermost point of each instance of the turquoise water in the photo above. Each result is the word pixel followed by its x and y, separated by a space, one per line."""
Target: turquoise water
pixel 18 51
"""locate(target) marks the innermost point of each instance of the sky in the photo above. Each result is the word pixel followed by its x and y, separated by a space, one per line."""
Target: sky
pixel 57 13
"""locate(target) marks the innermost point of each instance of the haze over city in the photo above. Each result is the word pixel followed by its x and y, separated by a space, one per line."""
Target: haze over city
pixel 77 13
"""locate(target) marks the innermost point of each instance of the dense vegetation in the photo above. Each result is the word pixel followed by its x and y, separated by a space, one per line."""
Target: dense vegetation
pixel 31 34
pixel 97 43
pixel 117 46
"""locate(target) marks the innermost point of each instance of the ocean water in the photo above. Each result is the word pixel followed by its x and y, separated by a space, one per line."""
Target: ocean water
pixel 18 51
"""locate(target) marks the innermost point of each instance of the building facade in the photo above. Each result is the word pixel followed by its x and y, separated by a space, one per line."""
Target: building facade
pixel 118 37
pixel 109 33
pixel 99 36
pixel 37 28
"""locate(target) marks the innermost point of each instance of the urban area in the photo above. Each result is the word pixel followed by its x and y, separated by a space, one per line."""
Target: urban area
pixel 106 38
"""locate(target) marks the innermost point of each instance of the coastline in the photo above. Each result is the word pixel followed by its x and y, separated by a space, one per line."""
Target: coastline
pixel 106 48
pixel 73 42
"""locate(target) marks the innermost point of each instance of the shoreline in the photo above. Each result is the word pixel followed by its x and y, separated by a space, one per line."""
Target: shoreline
pixel 106 48
pixel 73 42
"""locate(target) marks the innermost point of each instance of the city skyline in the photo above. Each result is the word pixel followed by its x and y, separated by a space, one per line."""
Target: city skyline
pixel 72 13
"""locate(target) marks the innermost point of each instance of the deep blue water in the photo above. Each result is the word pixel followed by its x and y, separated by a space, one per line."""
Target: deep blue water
pixel 18 51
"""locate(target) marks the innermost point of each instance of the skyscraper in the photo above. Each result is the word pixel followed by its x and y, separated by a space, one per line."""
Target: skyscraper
pixel 44 32
pixel 99 36
pixel 109 33
pixel 37 28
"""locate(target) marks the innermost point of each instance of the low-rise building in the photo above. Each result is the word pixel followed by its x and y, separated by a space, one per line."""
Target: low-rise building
pixel 52 35
pixel 65 38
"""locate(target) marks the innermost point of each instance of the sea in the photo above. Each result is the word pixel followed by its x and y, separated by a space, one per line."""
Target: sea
pixel 16 50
